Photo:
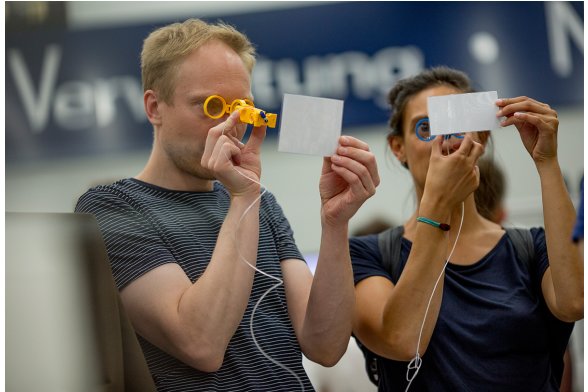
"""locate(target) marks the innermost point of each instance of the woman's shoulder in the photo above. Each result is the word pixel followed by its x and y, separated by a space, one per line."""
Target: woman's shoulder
pixel 365 257
pixel 364 242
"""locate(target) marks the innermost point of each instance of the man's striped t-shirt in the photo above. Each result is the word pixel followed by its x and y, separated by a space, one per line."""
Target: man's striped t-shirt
pixel 145 226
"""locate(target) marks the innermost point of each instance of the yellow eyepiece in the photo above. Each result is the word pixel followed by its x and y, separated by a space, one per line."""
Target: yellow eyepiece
pixel 216 106
pixel 239 103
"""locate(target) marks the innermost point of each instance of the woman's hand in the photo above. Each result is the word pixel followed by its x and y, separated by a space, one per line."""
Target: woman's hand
pixel 536 122
pixel 451 178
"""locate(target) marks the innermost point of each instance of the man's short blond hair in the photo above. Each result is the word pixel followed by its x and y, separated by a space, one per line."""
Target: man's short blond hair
pixel 164 49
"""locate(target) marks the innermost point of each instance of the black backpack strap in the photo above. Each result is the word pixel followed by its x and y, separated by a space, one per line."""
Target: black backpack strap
pixel 389 245
pixel 389 242
pixel 522 240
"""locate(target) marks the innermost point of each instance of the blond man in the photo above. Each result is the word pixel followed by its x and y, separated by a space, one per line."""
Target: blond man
pixel 181 233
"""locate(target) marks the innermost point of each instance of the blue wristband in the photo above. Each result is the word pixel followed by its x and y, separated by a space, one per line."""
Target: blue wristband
pixel 442 226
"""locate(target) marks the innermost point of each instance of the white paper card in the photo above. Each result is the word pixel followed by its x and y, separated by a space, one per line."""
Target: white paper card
pixel 310 125
pixel 463 113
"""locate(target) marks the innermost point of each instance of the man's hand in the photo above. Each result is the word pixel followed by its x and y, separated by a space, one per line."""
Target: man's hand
pixel 236 165
pixel 348 179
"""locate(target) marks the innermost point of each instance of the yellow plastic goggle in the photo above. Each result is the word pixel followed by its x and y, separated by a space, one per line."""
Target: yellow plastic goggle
pixel 216 106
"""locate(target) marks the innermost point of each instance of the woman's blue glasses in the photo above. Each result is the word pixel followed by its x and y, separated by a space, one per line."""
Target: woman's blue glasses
pixel 423 131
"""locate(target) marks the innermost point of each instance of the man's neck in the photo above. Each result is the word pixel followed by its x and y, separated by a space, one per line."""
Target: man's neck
pixel 165 174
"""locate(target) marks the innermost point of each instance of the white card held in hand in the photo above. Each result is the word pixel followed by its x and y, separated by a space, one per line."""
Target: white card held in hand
pixel 310 125
pixel 463 113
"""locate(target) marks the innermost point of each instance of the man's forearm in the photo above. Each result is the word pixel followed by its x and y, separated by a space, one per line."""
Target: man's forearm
pixel 213 306
pixel 328 321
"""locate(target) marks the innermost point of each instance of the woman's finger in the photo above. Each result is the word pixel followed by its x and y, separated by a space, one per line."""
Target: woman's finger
pixel 513 105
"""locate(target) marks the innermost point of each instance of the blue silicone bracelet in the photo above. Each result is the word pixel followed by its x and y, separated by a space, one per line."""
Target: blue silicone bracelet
pixel 442 226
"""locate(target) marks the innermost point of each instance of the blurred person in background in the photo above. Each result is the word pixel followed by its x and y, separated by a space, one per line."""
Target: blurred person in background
pixel 575 353
pixel 491 192
pixel 180 234
pixel 494 320
pixel 578 232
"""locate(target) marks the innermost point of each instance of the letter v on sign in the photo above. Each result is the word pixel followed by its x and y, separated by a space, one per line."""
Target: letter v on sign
pixel 36 104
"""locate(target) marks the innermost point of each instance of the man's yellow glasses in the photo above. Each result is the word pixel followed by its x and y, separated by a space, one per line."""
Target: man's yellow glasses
pixel 215 107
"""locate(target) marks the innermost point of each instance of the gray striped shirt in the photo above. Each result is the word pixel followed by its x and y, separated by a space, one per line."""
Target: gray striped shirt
pixel 145 226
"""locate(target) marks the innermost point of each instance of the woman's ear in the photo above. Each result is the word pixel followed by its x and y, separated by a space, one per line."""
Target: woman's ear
pixel 396 144
pixel 151 105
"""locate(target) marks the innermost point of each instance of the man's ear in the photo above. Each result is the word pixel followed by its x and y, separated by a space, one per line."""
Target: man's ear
pixel 396 144
pixel 151 105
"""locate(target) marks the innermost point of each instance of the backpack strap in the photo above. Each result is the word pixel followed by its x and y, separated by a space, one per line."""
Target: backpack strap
pixel 522 240
pixel 389 245
pixel 389 242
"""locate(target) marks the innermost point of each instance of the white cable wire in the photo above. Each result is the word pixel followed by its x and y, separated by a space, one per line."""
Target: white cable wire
pixel 415 363
pixel 280 281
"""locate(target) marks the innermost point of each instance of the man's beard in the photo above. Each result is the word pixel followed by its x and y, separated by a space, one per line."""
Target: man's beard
pixel 188 161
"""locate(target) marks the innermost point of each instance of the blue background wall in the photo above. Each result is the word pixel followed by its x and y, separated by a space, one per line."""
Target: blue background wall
pixel 74 93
